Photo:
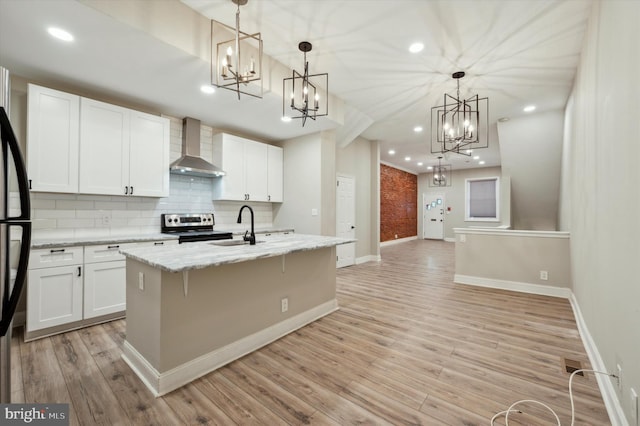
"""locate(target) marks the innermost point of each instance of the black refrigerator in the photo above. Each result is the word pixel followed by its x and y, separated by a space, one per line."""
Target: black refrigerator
pixel 15 233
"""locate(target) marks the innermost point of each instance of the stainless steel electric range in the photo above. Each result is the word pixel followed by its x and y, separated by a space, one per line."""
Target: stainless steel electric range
pixel 191 227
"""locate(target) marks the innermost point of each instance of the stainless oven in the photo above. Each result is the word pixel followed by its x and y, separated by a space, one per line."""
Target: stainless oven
pixel 191 227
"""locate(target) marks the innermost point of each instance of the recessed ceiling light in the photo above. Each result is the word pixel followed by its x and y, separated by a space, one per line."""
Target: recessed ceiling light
pixel 477 157
pixel 208 89
pixel 416 47
pixel 285 119
pixel 420 164
pixel 503 119
pixel 529 108
pixel 417 129
pixel 429 167
pixel 481 162
pixel 469 151
pixel 391 152
pixel 407 158
pixel 60 34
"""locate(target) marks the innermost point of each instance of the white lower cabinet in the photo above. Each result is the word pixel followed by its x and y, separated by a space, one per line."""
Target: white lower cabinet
pixel 72 284
pixel 54 294
pixel 104 280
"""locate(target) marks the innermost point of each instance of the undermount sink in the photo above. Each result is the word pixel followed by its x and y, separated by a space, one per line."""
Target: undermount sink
pixel 233 242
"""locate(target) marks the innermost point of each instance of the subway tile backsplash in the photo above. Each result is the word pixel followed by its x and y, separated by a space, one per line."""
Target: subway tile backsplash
pixel 76 215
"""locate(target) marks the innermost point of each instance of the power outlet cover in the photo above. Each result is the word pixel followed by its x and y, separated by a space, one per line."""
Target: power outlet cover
pixel 634 407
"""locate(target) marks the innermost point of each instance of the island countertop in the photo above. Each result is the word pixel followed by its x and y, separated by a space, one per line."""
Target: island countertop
pixel 200 255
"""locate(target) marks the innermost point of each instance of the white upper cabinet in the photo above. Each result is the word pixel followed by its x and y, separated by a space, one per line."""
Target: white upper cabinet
pixel 149 155
pixel 112 151
pixel 246 164
pixel 104 148
pixel 52 140
pixel 275 170
pixel 255 171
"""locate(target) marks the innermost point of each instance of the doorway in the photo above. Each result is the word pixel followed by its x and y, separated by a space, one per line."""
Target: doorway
pixel 433 216
pixel 345 220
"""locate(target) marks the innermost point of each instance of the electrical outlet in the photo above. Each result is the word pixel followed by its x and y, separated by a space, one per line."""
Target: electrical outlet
pixel 284 304
pixel 544 275
pixel 106 219
pixel 141 281
pixel 396 236
pixel 619 379
pixel 463 238
pixel 634 407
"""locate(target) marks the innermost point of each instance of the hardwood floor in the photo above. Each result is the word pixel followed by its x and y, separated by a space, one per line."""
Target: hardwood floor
pixel 408 346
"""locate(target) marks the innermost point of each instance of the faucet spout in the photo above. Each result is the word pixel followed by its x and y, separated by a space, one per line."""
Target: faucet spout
pixel 251 238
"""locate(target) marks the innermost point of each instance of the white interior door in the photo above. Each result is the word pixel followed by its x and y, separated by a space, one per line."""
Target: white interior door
pixel 345 217
pixel 433 216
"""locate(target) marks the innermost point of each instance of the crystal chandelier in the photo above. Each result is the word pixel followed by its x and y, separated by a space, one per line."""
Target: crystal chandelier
pixel 441 174
pixel 238 61
pixel 460 125
pixel 305 94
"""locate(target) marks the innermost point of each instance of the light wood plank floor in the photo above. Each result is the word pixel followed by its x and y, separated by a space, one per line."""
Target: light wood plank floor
pixel 408 346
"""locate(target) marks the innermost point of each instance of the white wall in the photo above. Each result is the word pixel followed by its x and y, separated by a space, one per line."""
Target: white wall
pixel 601 199
pixel 302 185
pixel 455 198
pixel 354 161
pixel 531 151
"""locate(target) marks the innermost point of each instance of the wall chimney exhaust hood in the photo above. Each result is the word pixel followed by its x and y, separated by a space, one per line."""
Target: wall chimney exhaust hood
pixel 190 163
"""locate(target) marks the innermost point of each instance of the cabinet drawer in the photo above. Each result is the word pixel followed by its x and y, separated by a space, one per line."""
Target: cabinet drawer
pixel 104 252
pixel 53 257
pixel 157 243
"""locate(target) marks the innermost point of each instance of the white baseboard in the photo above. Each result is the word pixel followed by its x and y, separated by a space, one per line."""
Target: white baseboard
pixel 370 258
pixel 450 240
pixel 609 396
pixel 611 401
pixel 398 241
pixel 162 383
pixel 544 290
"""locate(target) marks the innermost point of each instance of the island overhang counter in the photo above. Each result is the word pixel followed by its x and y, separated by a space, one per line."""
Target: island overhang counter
pixel 192 308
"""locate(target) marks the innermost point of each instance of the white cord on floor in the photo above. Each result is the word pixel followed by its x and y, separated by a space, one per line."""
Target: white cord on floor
pixel 522 401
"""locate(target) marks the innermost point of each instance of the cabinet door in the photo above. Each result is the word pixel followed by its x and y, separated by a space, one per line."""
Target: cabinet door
pixel 149 155
pixel 52 140
pixel 275 179
pixel 229 154
pixel 104 148
pixel 54 296
pixel 255 170
pixel 104 288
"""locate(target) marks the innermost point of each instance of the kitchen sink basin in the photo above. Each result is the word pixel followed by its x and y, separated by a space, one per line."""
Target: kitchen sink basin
pixel 233 242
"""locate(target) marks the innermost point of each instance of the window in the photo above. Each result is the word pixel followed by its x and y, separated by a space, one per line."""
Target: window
pixel 483 199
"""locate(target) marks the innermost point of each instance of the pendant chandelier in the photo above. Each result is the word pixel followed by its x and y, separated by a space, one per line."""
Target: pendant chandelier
pixel 460 125
pixel 306 95
pixel 441 175
pixel 238 61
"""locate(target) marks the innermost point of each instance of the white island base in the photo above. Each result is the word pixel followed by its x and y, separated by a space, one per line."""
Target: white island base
pixel 179 330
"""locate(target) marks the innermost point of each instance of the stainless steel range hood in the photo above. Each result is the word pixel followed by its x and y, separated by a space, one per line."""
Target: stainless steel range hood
pixel 190 163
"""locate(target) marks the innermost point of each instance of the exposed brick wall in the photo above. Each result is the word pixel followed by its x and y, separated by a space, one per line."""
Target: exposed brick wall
pixel 398 203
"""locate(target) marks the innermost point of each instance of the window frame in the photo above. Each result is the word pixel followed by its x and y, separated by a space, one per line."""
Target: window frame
pixel 467 205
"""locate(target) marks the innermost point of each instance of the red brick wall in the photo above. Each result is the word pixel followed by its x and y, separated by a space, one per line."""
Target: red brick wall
pixel 398 204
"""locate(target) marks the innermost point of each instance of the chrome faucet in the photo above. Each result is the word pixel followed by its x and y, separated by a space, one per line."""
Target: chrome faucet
pixel 251 238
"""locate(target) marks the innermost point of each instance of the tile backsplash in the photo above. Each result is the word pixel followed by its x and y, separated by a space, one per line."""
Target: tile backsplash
pixel 57 215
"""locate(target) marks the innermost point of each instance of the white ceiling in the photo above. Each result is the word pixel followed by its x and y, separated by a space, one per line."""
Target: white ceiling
pixel 515 52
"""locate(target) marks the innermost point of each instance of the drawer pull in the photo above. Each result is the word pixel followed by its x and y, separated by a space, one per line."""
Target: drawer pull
pixel 113 247
pixel 159 243
pixel 56 250
pixel 79 271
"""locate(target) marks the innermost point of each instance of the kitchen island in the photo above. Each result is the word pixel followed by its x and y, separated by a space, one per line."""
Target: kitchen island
pixel 192 308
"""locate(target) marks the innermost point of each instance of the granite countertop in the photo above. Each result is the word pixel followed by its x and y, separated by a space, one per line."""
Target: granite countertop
pixel 200 255
pixel 93 240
